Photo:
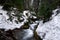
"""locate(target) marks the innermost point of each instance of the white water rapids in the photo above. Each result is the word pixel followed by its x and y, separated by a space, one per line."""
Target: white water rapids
pixel 50 29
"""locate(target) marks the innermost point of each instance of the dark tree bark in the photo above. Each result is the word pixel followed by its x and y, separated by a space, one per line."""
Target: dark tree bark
pixel 36 5
pixel 26 4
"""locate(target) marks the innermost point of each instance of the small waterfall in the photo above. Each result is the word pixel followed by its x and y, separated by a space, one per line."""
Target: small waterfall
pixel 31 3
pixel 24 34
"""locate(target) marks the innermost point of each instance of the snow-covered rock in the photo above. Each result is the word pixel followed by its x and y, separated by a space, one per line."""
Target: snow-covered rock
pixel 51 29
pixel 47 31
pixel 7 24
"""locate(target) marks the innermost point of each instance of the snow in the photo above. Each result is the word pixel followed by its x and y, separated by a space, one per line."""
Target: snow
pixel 51 29
pixel 7 24
pixel 47 31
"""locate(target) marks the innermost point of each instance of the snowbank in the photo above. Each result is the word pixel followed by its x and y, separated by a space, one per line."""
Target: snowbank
pixel 7 24
pixel 48 31
pixel 51 29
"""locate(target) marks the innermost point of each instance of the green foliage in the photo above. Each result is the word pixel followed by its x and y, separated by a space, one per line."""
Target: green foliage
pixel 19 4
pixel 47 6
pixel 14 3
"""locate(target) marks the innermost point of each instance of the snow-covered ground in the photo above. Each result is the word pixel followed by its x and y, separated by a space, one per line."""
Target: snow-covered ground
pixel 51 29
pixel 7 24
pixel 47 31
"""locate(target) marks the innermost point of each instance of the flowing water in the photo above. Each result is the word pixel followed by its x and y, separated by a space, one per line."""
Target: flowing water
pixel 47 31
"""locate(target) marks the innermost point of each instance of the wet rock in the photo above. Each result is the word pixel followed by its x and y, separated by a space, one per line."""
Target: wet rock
pixel 5 35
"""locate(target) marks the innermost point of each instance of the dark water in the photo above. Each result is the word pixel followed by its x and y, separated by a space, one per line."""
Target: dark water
pixel 24 34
